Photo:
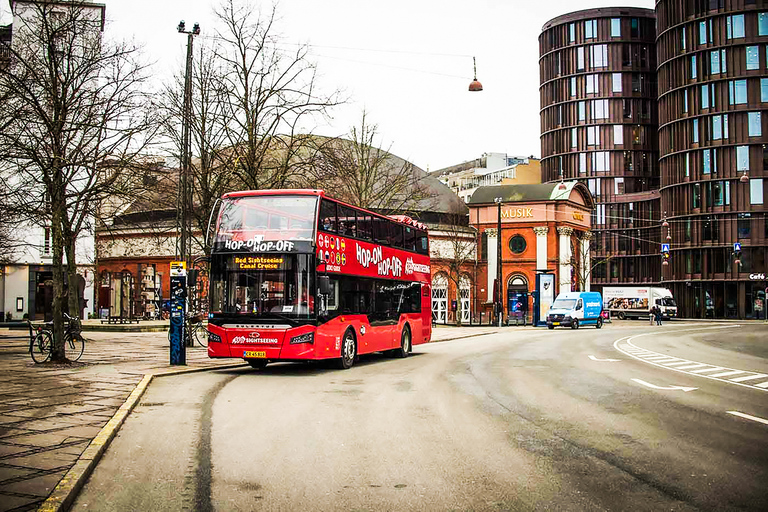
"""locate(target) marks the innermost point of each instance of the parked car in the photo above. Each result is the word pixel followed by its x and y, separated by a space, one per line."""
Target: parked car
pixel 573 309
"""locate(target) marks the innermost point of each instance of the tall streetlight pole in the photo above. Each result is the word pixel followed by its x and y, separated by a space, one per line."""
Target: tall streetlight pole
pixel 499 287
pixel 186 149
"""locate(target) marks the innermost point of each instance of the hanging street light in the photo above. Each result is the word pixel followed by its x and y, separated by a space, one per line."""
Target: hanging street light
pixel 475 86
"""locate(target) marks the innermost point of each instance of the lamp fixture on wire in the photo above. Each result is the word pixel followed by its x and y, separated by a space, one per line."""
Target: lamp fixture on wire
pixel 475 86
pixel 744 178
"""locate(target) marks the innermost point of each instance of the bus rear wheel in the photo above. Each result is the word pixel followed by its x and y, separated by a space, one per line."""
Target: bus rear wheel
pixel 348 351
pixel 405 343
pixel 257 364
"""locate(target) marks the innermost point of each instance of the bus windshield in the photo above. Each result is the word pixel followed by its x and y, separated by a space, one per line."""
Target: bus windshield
pixel 263 286
pixel 271 217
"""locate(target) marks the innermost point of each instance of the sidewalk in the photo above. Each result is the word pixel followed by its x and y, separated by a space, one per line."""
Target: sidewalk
pixel 56 421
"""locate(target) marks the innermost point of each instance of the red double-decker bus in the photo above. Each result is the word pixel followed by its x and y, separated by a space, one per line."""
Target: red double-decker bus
pixel 298 276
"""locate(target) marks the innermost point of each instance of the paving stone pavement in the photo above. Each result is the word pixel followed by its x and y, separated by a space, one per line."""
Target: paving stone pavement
pixel 49 414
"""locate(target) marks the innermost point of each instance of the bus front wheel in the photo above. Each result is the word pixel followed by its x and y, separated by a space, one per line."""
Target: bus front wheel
pixel 348 351
pixel 405 343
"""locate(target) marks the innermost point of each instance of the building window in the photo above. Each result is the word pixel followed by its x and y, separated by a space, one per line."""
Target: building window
pixel 574 137
pixel 517 244
pixel 615 27
pixel 744 227
pixel 687 165
pixel 697 195
pixel 618 134
pixel 582 111
pixel 753 57
pixel 704 96
pixel 682 39
pixel 627 108
pixel 693 66
pixel 593 84
pixel 716 127
pixel 599 109
pixel 695 132
pixel 714 62
pixel 687 229
pixel 756 191
pixel 618 186
pixel 598 55
pixel 702 32
pixel 723 67
pixel 571 32
pixel 601 161
pixel 582 163
pixel 734 26
pixel 47 241
pixel 590 29
pixel 764 90
pixel 573 86
pixel 706 162
pixel 685 101
pixel 580 58
pixel 593 136
pixel 762 24
pixel 737 92
pixel 755 125
pixel 616 82
pixel 634 28
pixel 742 158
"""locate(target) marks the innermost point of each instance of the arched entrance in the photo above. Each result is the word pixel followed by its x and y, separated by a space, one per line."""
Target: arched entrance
pixel 465 295
pixel 517 297
pixel 440 299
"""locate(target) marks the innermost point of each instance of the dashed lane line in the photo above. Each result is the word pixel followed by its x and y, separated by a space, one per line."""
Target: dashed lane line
pixel 742 378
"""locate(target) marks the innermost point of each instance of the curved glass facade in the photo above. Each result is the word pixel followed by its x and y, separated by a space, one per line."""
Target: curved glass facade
pixel 598 92
pixel 713 92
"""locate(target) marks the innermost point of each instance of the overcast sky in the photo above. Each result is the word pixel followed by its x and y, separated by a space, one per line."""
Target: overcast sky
pixel 407 62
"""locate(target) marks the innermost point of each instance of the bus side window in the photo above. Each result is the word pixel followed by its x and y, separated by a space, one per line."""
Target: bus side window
pixel 422 242
pixel 410 239
pixel 380 231
pixel 327 219
pixel 347 221
pixel 364 226
pixel 395 234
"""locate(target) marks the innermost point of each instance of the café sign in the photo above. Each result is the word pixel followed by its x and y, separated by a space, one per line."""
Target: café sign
pixel 757 277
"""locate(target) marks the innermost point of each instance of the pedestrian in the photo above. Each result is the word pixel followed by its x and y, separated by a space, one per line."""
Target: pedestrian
pixel 652 315
pixel 658 315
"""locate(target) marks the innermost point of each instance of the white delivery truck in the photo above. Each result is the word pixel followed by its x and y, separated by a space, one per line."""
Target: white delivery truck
pixel 637 301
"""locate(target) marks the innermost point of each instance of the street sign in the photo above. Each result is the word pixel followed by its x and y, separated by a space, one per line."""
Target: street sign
pixel 736 246
pixel 664 247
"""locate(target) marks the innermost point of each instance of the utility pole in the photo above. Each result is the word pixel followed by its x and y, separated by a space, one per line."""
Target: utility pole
pixel 499 287
pixel 185 213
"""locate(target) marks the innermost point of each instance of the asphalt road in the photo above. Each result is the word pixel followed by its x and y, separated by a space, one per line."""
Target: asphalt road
pixel 630 417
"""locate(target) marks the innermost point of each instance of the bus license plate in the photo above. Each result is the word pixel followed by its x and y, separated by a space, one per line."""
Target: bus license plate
pixel 254 353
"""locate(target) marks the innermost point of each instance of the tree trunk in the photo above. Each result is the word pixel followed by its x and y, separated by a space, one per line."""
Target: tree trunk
pixel 57 212
pixel 73 284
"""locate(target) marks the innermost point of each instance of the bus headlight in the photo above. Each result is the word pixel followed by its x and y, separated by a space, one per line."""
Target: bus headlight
pixel 307 337
pixel 215 338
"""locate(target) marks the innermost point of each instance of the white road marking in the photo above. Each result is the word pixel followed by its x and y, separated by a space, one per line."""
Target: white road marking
pixel 668 388
pixel 605 360
pixel 749 377
pixel 705 370
pixel 699 365
pixel 728 374
pixel 747 416
pixel 693 368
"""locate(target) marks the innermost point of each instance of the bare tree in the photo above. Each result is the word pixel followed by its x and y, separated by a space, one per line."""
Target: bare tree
pixel 583 262
pixel 455 243
pixel 75 120
pixel 358 171
pixel 269 95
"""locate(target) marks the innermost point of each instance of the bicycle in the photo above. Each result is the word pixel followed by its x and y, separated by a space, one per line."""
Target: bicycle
pixel 41 345
pixel 195 330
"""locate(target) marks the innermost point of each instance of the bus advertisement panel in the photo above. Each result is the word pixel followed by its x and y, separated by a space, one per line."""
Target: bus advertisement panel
pixel 296 276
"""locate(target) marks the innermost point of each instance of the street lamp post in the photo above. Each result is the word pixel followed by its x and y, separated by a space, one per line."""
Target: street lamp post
pixel 185 234
pixel 499 287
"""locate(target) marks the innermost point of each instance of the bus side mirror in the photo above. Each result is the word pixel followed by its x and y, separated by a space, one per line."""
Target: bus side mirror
pixel 324 283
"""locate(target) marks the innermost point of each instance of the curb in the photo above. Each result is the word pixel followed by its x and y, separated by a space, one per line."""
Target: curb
pixel 67 489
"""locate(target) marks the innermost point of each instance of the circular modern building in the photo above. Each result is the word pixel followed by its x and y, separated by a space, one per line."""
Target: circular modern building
pixel 713 89
pixel 598 126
